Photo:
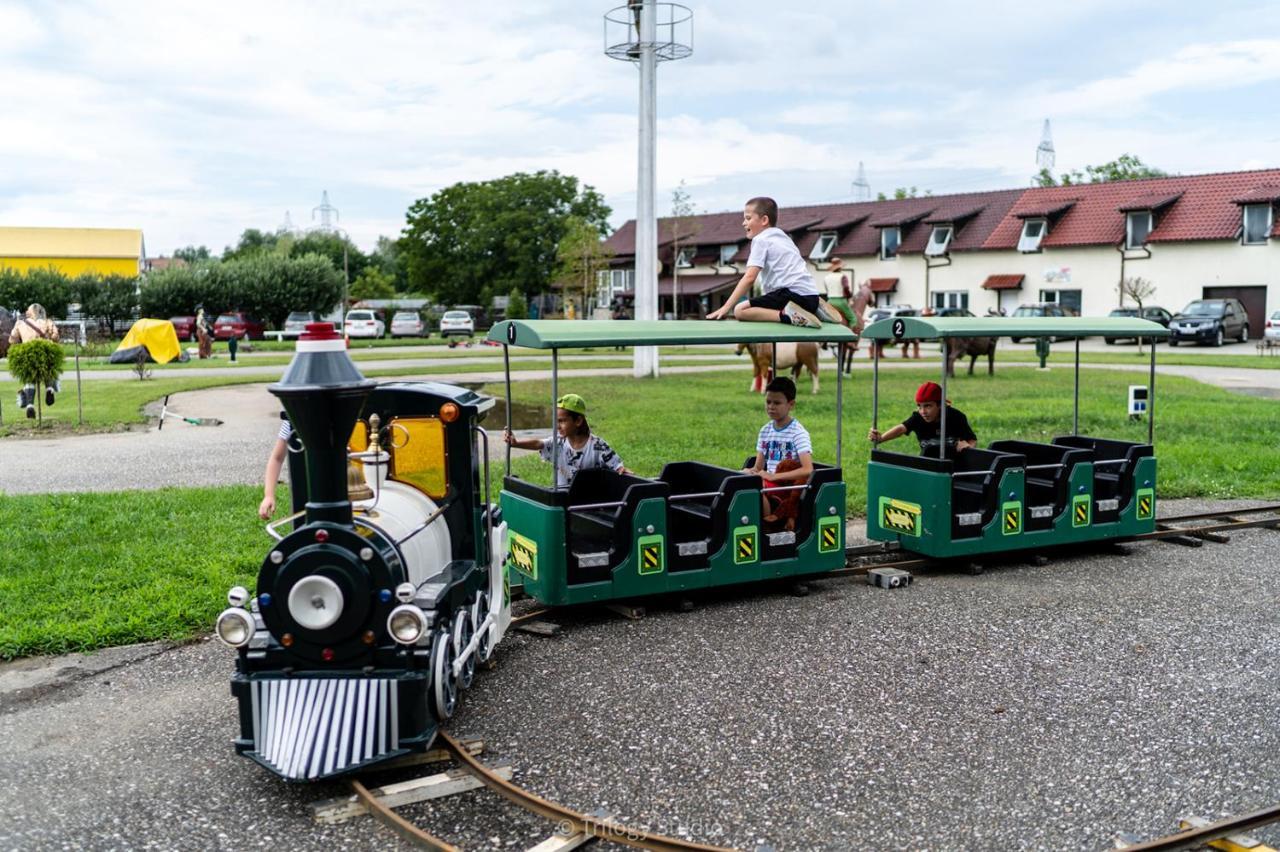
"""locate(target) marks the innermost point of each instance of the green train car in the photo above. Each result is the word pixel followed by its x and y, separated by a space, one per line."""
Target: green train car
pixel 611 537
pixel 1013 495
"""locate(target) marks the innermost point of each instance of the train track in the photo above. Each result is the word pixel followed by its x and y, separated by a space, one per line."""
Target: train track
pixel 569 823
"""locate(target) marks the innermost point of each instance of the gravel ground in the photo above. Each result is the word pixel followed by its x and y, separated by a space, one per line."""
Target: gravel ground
pixel 1033 707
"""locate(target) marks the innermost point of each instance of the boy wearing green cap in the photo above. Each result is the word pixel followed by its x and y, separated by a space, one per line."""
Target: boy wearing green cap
pixel 578 448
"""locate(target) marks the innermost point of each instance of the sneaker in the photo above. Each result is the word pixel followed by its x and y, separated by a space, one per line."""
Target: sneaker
pixel 799 316
pixel 48 396
pixel 828 312
pixel 31 412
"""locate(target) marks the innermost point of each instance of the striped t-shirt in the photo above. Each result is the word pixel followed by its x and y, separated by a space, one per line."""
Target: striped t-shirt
pixel 776 444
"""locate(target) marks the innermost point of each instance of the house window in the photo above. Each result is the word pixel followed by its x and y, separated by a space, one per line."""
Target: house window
pixel 1033 231
pixel 950 299
pixel 684 260
pixel 1137 229
pixel 939 240
pixel 889 239
pixel 822 248
pixel 1257 223
pixel 727 252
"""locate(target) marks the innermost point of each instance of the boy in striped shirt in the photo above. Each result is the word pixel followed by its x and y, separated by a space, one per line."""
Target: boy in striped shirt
pixel 780 439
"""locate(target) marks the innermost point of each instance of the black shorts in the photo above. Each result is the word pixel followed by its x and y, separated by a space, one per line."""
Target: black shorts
pixel 777 300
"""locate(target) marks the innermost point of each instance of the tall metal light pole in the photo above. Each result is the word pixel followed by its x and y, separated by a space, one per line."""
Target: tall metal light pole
pixel 647 32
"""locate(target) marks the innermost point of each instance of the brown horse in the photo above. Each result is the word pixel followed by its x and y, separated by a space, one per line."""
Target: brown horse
pixel 960 347
pixel 793 355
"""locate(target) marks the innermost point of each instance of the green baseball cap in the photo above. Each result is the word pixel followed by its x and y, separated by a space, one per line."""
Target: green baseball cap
pixel 572 402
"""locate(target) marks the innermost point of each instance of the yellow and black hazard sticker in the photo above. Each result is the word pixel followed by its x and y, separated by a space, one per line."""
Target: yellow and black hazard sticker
pixel 900 516
pixel 652 554
pixel 829 534
pixel 745 545
pixel 1146 504
pixel 523 554
pixel 1080 508
pixel 506 588
pixel 1011 518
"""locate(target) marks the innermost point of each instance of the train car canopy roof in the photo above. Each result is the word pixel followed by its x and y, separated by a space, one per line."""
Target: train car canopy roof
pixel 934 328
pixel 561 334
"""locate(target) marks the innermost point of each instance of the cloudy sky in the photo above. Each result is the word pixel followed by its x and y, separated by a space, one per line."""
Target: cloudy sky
pixel 194 121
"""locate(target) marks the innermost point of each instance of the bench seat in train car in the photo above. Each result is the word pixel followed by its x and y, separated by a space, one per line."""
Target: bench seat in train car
pixel 1124 480
pixel 1048 478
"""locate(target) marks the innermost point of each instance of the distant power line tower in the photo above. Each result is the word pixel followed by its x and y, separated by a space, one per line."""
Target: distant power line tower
pixel 861 189
pixel 286 227
pixel 1044 152
pixel 328 213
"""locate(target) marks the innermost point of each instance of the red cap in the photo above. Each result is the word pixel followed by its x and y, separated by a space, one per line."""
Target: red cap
pixel 929 392
pixel 319 331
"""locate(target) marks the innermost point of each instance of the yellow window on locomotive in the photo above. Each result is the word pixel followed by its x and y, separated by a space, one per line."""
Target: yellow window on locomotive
pixel 419 456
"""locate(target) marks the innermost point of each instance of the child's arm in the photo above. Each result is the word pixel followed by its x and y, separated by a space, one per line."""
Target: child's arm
pixel 803 472
pixel 521 443
pixel 743 288
pixel 270 477
pixel 878 437
pixel 757 466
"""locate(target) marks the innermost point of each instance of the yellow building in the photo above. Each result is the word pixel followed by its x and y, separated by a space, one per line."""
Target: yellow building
pixel 73 251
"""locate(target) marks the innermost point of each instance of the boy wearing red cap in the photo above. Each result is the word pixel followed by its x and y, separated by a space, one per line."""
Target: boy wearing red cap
pixel 926 424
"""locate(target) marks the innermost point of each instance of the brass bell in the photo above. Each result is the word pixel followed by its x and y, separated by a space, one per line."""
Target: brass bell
pixel 357 486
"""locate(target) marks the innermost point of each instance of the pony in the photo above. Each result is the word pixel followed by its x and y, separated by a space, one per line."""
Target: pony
pixel 793 355
pixel 960 347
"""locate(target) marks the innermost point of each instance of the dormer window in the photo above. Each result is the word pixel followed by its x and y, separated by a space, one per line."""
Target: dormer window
pixel 1033 231
pixel 1137 229
pixel 889 240
pixel 822 248
pixel 939 240
pixel 727 252
pixel 1257 224
pixel 684 260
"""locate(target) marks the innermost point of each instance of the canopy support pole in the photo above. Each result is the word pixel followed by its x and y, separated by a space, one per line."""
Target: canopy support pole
pixel 1075 417
pixel 773 360
pixel 839 408
pixel 555 418
pixel 1151 397
pixel 942 403
pixel 506 372
pixel 875 384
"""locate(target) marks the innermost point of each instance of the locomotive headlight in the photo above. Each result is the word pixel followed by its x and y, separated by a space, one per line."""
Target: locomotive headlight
pixel 315 602
pixel 234 627
pixel 406 624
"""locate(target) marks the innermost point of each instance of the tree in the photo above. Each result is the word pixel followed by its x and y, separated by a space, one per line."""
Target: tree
pixel 330 245
pixel 36 362
pixel 44 285
pixel 373 283
pixel 267 285
pixel 1138 289
pixel 682 227
pixel 471 241
pixel 193 254
pixel 1124 167
pixel 903 192
pixel 109 298
pixel 388 257
pixel 580 255
pixel 252 243
pixel 517 307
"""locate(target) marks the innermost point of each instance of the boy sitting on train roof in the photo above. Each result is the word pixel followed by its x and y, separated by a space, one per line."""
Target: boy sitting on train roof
pixel 578 448
pixel 925 422
pixel 790 295
pixel 784 453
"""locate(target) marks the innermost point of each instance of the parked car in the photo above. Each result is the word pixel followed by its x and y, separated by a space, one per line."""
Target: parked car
pixel 364 323
pixel 1272 330
pixel 408 324
pixel 457 323
pixel 239 325
pixel 1041 309
pixel 1210 321
pixel 185 327
pixel 952 312
pixel 1154 313
pixel 296 323
pixel 479 316
pixel 886 311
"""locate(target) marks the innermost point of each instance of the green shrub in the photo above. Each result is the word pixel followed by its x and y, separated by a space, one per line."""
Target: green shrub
pixel 517 307
pixel 36 362
pixel 45 286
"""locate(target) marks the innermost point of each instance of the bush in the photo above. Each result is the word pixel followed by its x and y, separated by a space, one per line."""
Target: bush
pixel 46 286
pixel 36 362
pixel 517 307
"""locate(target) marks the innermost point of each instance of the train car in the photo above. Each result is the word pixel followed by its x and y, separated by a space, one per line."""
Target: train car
pixel 696 525
pixel 372 613
pixel 1014 495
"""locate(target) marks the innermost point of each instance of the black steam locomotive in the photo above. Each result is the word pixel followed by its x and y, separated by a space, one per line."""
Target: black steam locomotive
pixel 374 610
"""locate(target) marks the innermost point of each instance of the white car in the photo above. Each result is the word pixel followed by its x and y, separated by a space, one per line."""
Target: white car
pixel 407 324
pixel 457 323
pixel 364 324
pixel 1272 329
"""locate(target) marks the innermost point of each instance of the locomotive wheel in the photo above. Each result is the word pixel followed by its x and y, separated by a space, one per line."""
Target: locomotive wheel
pixel 462 634
pixel 444 693
pixel 480 611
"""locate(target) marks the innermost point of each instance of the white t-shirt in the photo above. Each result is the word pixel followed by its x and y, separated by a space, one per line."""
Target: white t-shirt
pixel 834 283
pixel 776 444
pixel 594 453
pixel 781 265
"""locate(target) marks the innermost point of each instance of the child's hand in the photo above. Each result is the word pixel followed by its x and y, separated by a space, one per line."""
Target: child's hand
pixel 719 313
pixel 508 437
pixel 267 508
pixel 873 435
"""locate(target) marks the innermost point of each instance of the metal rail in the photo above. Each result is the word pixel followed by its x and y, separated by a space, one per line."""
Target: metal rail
pixel 1196 838
pixel 397 823
pixel 605 829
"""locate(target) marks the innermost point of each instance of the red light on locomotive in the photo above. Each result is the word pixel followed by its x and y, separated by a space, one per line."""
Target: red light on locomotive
pixel 322 536
pixel 327 655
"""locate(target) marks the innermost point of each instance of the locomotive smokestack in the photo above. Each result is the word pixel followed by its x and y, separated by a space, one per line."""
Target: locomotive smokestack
pixel 323 392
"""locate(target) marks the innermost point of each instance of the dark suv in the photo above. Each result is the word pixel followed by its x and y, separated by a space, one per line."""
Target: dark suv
pixel 1210 321
pixel 1154 313
pixel 1041 309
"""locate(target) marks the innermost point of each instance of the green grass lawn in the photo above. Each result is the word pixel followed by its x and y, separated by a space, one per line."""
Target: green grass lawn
pixel 109 569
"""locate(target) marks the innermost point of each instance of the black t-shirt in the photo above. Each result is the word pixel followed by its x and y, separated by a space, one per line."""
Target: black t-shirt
pixel 958 429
